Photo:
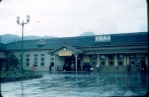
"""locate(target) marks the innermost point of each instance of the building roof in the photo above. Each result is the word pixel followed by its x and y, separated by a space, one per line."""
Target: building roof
pixel 80 41
pixel 69 47
pixel 3 47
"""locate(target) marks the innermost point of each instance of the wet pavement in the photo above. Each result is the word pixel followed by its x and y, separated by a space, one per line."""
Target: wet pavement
pixel 82 84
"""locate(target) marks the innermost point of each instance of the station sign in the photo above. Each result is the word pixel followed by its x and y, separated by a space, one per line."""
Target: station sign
pixel 103 38
pixel 65 53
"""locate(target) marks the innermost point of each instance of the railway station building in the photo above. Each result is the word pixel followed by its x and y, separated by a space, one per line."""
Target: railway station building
pixel 113 52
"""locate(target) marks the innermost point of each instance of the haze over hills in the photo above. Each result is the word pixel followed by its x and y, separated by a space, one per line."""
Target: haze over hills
pixel 87 34
pixel 8 38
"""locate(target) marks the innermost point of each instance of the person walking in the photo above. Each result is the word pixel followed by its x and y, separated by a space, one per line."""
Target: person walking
pixel 97 67
pixel 33 67
pixel 72 67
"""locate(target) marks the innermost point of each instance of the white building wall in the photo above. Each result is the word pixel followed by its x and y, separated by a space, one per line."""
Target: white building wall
pixel 59 62
pixel 31 59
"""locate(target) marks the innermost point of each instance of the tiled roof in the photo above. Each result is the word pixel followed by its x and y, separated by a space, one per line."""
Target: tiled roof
pixel 3 47
pixel 70 47
pixel 135 38
pixel 116 39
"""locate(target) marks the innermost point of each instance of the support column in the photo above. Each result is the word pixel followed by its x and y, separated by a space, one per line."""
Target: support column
pixel 146 60
pixel 54 61
pixel 76 57
pixel 125 60
pixel 115 59
pixel 127 57
pixel 107 60
pixel 98 59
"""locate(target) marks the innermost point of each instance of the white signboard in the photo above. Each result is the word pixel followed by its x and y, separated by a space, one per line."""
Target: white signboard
pixel 103 38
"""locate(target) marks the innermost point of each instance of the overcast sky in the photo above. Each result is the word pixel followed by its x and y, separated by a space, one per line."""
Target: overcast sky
pixel 66 18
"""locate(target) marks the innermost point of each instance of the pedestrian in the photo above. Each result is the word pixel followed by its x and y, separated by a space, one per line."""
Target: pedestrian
pixel 143 66
pixel 49 67
pixel 97 67
pixel 91 69
pixel 128 67
pixel 33 67
pixel 72 67
pixel 56 68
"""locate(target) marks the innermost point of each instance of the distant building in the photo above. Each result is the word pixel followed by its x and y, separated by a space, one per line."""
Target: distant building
pixel 111 51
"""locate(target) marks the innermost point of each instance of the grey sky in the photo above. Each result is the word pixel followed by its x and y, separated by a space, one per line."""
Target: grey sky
pixel 65 18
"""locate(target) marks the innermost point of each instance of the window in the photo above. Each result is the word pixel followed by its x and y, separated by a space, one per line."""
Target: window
pixel 111 62
pixel 132 59
pixel 120 62
pixel 27 55
pixel 102 63
pixel 132 56
pixel 27 64
pixel 102 59
pixel 35 55
pixel 93 59
pixel 120 58
pixel 27 60
pixel 52 59
pixel 42 60
pixel 36 59
pixel 111 59
pixel 42 54
pixel 42 63
pixel 35 63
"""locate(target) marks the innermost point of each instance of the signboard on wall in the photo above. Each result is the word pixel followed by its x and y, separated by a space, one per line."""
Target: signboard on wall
pixel 65 53
pixel 103 38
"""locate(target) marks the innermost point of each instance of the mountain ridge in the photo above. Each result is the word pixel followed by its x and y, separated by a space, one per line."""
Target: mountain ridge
pixel 8 38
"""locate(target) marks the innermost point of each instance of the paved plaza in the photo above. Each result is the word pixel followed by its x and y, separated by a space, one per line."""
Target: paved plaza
pixel 81 84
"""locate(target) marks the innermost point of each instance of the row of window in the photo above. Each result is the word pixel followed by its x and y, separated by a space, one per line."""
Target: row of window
pixel 120 58
pixel 42 63
pixel 35 59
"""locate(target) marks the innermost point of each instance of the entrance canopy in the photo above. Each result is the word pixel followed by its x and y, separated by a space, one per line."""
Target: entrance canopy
pixel 65 50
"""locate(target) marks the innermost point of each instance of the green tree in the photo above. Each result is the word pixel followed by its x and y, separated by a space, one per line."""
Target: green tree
pixel 13 60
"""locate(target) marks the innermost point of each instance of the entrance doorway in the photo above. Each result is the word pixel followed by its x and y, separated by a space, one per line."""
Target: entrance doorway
pixel 69 61
pixel 138 62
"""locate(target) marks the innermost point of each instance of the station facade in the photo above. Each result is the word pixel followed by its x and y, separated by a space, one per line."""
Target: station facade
pixel 113 52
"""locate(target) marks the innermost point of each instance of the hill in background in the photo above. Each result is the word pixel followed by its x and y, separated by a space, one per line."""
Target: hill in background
pixel 8 38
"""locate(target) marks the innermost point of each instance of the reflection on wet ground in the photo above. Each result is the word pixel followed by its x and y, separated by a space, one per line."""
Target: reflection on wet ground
pixel 82 84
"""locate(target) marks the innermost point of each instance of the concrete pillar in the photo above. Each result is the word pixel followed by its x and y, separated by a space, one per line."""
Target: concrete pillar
pixel 54 61
pixel 127 57
pixel 146 59
pixel 82 65
pixel 107 61
pixel 115 60
pixel 76 56
pixel 98 59
pixel 125 60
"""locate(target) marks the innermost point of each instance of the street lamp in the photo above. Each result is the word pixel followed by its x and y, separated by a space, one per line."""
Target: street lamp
pixel 18 21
